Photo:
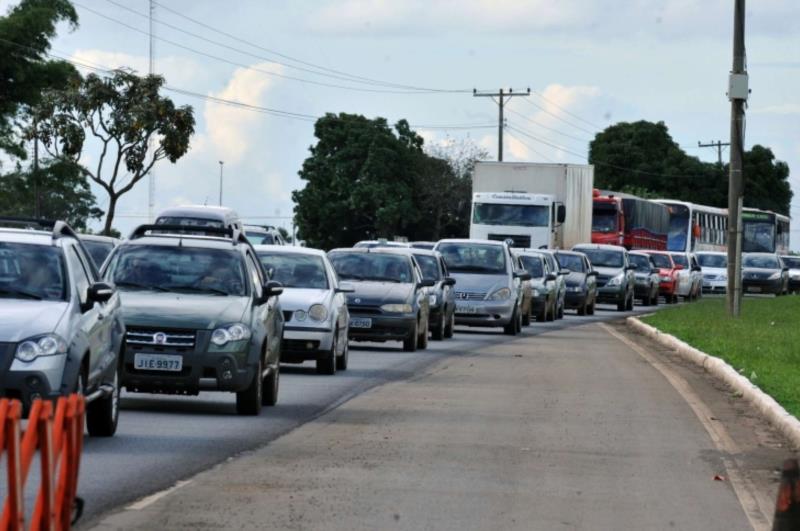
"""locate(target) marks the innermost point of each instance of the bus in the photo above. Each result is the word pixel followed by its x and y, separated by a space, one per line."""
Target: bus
pixel 694 227
pixel 765 232
pixel 630 221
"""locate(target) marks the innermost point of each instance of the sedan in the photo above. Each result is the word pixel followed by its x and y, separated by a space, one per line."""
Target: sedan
pixel 544 288
pixel 764 273
pixel 668 272
pixel 715 271
pixel 647 278
pixel 793 263
pixel 581 282
pixel 314 306
pixel 441 297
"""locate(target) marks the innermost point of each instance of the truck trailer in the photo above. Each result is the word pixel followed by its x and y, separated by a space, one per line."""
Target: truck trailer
pixel 629 221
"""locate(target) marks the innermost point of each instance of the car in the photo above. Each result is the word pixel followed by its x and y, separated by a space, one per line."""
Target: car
pixel 314 305
pixel 370 244
pixel 488 285
pixel 764 273
pixel 200 216
pixel 793 263
pixel 561 282
pixel 390 301
pixel 615 277
pixel 527 292
pixel 647 277
pixel 690 276
pixel 544 288
pixel 98 247
pixel 200 313
pixel 263 235
pixel 714 267
pixel 581 282
pixel 423 245
pixel 441 295
pixel 668 274
pixel 61 327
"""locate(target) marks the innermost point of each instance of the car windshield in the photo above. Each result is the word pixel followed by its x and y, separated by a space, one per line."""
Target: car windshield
pixel 641 262
pixel 761 262
pixel 792 262
pixel 29 271
pixel 571 262
pixel 376 267
pixel 514 215
pixel 295 270
pixel 713 260
pixel 533 265
pixel 259 238
pixel 474 258
pixel 190 222
pixel 429 265
pixel 661 260
pixel 178 269
pixel 604 257
pixel 680 259
pixel 98 250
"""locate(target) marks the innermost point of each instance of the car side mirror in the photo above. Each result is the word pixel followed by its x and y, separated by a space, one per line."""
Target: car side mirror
pixel 551 277
pixel 522 275
pixel 564 272
pixel 426 283
pixel 561 213
pixel 272 288
pixel 630 268
pixel 449 281
pixel 591 274
pixel 785 269
pixel 98 292
pixel 346 288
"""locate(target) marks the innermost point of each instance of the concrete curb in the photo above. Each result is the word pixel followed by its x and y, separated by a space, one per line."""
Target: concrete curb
pixel 775 414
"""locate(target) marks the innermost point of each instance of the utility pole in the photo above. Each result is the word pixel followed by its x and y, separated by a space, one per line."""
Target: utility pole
pixel 501 100
pixel 151 192
pixel 718 144
pixel 37 204
pixel 737 94
pixel 220 182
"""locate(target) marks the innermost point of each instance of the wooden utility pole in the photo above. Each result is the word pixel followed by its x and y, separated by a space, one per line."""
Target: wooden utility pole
pixel 718 144
pixel 737 94
pixel 501 99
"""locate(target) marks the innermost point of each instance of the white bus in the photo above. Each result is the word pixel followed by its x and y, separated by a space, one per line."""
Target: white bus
pixel 765 232
pixel 694 227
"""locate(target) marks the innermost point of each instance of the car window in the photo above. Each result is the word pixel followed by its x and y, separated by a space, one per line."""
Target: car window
pixel 429 266
pixel 295 270
pixel 81 277
pixel 713 260
pixel 98 251
pixel 762 262
pixel 661 260
pixel 533 265
pixel 680 259
pixel 255 275
pixel 29 271
pixel 372 266
pixel 190 222
pixel 604 257
pixel 571 262
pixel 474 257
pixel 641 262
pixel 791 262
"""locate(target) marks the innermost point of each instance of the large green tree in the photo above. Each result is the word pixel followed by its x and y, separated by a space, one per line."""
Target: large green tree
pixel 642 157
pixel 116 117
pixel 25 71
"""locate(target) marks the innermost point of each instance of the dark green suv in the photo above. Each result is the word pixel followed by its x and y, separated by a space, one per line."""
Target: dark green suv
pixel 200 314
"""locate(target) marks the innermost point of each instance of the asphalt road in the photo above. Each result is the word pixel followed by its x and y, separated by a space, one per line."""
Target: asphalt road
pixel 163 439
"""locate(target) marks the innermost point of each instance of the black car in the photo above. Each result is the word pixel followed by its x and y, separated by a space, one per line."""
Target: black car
pixel 581 282
pixel 647 278
pixel 764 273
pixel 391 299
pixel 442 297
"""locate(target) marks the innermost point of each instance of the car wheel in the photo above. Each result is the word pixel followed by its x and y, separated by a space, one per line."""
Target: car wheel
pixel 438 332
pixel 511 328
pixel 328 364
pixel 342 359
pixel 519 320
pixel 102 415
pixel 451 325
pixel 552 315
pixel 654 298
pixel 410 342
pixel 248 401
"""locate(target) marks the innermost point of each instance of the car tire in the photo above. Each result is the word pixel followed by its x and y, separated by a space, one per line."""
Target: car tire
pixel 328 364
pixel 271 387
pixel 343 358
pixel 249 401
pixel 590 309
pixel 437 333
pixel 542 315
pixel 629 304
pixel 451 325
pixel 102 415
pixel 654 298
pixel 410 342
pixel 511 328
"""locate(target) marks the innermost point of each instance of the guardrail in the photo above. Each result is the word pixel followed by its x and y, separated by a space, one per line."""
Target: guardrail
pixel 57 434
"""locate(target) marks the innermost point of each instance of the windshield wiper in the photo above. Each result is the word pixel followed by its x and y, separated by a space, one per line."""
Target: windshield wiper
pixel 197 289
pixel 20 293
pixel 475 269
pixel 351 277
pixel 384 279
pixel 127 284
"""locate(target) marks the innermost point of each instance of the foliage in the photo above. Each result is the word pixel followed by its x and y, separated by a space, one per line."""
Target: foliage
pixel 64 194
pixel 119 115
pixel 641 156
pixel 25 34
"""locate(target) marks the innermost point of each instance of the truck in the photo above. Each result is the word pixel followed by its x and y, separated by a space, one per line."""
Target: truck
pixel 534 205
pixel 629 221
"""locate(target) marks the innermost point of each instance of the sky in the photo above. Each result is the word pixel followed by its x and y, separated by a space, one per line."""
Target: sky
pixel 589 64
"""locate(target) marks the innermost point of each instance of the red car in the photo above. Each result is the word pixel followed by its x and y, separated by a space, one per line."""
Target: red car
pixel 668 275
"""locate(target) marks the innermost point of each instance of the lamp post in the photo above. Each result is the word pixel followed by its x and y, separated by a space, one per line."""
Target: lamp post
pixel 220 182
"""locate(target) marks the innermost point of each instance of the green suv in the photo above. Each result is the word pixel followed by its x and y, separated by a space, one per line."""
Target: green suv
pixel 200 314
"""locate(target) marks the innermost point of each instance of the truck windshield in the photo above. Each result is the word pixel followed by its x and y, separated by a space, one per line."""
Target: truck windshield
pixel 34 272
pixel 604 218
pixel 375 267
pixel 474 258
pixel 295 270
pixel 511 215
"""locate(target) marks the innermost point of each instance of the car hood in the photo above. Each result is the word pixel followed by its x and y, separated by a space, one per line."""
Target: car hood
pixel 609 272
pixel 378 293
pixel 21 319
pixel 302 299
pixel 576 278
pixel 758 272
pixel 181 310
pixel 479 283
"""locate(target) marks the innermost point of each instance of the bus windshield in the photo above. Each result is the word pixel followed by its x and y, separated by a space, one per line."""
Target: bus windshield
pixel 758 236
pixel 678 228
pixel 512 215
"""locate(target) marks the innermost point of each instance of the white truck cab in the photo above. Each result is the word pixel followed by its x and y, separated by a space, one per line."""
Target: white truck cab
pixel 529 220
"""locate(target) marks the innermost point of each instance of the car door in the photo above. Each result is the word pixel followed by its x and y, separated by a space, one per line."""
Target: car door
pixel 448 292
pixel 339 302
pixel 422 294
pixel 591 280
pixel 264 319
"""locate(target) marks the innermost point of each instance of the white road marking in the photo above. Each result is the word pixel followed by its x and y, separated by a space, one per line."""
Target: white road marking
pixel 151 499
pixel 757 509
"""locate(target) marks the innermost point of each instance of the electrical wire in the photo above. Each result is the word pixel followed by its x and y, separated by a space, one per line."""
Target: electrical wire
pixel 557 106
pixel 534 150
pixel 582 140
pixel 557 117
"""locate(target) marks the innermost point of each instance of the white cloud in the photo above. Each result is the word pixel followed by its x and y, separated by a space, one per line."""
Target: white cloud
pixel 178 71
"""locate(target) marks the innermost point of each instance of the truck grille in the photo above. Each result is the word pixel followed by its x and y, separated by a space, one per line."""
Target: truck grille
pixel 160 337
pixel 520 240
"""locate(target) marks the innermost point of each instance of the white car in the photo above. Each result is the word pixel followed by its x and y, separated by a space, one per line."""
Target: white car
pixel 715 271
pixel 793 263
pixel 316 320
pixel 690 277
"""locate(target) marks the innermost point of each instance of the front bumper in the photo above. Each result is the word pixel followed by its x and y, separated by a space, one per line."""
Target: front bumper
pixel 794 284
pixel 642 289
pixel 762 286
pixel 383 327
pixel 26 381
pixel 667 288
pixel 611 294
pixel 575 299
pixel 715 286
pixel 485 313
pixel 301 343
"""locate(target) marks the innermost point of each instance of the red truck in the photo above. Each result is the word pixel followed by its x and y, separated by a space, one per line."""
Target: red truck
pixel 629 221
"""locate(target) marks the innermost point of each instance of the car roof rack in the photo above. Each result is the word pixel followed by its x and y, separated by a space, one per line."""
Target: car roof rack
pixel 188 230
pixel 58 228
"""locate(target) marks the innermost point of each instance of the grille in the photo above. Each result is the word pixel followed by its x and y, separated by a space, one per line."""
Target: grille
pixel 470 295
pixel 171 338
pixel 602 281
pixel 520 240
pixel 364 310
pixel 287 315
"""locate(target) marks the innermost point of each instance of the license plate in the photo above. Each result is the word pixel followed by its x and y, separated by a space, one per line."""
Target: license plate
pixel 463 308
pixel 158 362
pixel 360 323
pixel 754 289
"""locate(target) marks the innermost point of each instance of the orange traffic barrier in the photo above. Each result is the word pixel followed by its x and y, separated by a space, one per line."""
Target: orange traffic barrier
pixel 59 439
pixel 787 510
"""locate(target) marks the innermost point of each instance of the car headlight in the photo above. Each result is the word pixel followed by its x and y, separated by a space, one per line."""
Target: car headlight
pixel 318 312
pixel 47 345
pixel 300 315
pixel 575 289
pixel 500 295
pixel 397 308
pixel 775 276
pixel 433 300
pixel 235 332
pixel 535 292
pixel 617 280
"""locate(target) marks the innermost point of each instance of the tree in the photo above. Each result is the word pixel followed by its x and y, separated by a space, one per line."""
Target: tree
pixel 766 181
pixel 120 115
pixel 65 194
pixel 25 34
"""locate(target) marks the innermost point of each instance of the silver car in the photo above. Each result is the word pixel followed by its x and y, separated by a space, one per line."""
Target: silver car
pixel 488 285
pixel 314 306
pixel 561 277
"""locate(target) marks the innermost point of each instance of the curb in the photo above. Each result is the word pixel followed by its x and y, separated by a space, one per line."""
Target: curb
pixel 773 412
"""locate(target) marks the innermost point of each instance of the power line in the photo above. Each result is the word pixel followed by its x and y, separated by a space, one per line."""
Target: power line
pixel 501 97
pixel 557 117
pixel 584 140
pixel 557 106
pixel 534 150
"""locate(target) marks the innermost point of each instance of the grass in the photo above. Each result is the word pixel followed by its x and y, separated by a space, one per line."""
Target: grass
pixel 763 344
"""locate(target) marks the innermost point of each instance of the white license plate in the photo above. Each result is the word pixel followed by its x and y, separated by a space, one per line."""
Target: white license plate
pixel 357 322
pixel 754 289
pixel 465 308
pixel 158 362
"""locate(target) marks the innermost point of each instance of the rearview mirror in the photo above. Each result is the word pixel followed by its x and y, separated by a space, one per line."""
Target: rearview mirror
pixel 345 288
pixel 561 213
pixel 449 281
pixel 426 283
pixel 99 292
pixel 272 288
